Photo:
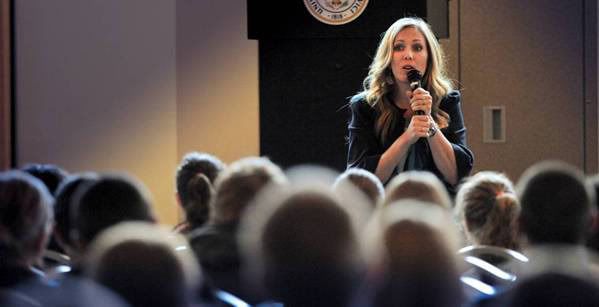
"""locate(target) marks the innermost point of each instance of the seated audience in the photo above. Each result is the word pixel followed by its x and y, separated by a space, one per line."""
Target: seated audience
pixel 215 243
pixel 301 245
pixel 418 185
pixel 412 261
pixel 487 209
pixel 51 175
pixel 365 181
pixel 147 265
pixel 593 239
pixel 195 178
pixel 555 219
pixel 25 226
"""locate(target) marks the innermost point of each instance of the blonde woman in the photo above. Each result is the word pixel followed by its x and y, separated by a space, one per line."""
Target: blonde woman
pixel 385 135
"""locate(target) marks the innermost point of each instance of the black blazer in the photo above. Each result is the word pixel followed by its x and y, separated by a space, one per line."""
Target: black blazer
pixel 365 148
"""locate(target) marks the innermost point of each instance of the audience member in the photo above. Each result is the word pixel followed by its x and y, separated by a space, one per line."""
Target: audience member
pixel 25 226
pixel 195 178
pixel 147 265
pixel 301 245
pixel 412 258
pixel 62 209
pixel 487 209
pixel 105 202
pixel 555 218
pixel 51 175
pixel 593 240
pixel 215 244
pixel 418 185
pixel 365 181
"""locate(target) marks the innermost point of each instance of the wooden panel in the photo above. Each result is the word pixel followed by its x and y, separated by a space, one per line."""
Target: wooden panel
pixel 528 57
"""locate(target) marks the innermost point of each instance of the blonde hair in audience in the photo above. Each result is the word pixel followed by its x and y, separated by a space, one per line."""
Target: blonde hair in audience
pixel 487 207
pixel 419 185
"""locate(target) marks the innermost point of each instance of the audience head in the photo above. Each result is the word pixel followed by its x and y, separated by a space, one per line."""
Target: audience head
pixel 412 260
pixel 365 181
pixel 195 178
pixel 107 201
pixel 239 184
pixel 301 243
pixel 418 185
pixel 593 240
pixel 556 204
pixel 145 264
pixel 25 219
pixel 63 208
pixel 50 174
pixel 487 208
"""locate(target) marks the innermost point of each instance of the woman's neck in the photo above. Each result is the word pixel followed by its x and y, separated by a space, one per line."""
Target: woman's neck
pixel 400 98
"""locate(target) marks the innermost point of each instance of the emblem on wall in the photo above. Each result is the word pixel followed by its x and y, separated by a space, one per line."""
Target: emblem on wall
pixel 335 12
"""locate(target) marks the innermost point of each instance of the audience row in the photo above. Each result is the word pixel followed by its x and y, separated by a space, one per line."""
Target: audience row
pixel 255 235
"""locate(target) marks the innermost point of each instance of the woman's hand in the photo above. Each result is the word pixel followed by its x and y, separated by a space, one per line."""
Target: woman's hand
pixel 421 100
pixel 418 128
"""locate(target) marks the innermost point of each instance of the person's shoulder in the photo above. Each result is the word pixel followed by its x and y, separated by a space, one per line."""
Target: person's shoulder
pixel 358 103
pixel 453 96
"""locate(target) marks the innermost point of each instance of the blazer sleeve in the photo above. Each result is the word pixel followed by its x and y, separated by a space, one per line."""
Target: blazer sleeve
pixel 456 134
pixel 364 149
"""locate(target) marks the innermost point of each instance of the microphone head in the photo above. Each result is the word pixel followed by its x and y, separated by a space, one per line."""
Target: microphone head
pixel 414 76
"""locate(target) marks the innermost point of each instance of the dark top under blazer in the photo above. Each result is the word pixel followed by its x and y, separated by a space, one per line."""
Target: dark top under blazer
pixel 365 148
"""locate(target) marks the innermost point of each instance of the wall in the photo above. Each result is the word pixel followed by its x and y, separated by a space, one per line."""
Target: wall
pixel 96 89
pixel 133 85
pixel 217 80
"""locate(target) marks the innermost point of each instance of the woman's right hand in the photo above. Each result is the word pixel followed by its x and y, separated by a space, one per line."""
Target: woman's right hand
pixel 418 128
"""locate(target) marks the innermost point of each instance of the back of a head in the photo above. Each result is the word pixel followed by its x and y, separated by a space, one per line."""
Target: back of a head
pixel 62 206
pixel 556 203
pixel 418 185
pixel 487 207
pixel 191 165
pixel 554 289
pixel 25 218
pixel 51 175
pixel 145 264
pixel 306 244
pixel 416 250
pixel 237 186
pixel 593 240
pixel 302 244
pixel 108 201
pixel 365 181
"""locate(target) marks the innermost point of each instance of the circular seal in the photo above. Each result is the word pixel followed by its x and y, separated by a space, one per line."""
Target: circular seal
pixel 335 12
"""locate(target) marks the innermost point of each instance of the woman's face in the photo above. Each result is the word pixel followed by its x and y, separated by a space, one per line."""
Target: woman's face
pixel 409 52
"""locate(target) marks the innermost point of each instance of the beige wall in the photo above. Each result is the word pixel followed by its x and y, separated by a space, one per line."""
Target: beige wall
pixel 217 80
pixel 110 85
pixel 526 56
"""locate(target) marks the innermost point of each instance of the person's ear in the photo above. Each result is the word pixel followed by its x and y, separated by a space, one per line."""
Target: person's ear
pixel 178 198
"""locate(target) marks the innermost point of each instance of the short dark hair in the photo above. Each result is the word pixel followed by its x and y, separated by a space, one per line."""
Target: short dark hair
pixel 51 175
pixel 108 201
pixel 63 203
pixel 365 181
pixel 194 163
pixel 25 206
pixel 556 203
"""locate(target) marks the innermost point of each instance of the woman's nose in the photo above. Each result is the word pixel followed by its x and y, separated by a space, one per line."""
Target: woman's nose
pixel 408 55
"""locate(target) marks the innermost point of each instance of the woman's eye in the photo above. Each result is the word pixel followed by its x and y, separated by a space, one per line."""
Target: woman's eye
pixel 399 47
pixel 417 47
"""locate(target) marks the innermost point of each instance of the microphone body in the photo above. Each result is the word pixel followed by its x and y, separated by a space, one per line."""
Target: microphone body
pixel 415 79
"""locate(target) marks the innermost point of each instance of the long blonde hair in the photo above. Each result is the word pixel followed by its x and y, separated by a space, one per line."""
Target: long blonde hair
pixel 380 81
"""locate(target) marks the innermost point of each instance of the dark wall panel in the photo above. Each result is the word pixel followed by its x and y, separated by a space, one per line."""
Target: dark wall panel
pixel 308 70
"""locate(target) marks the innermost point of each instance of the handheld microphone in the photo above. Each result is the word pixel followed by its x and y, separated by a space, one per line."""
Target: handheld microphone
pixel 414 77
